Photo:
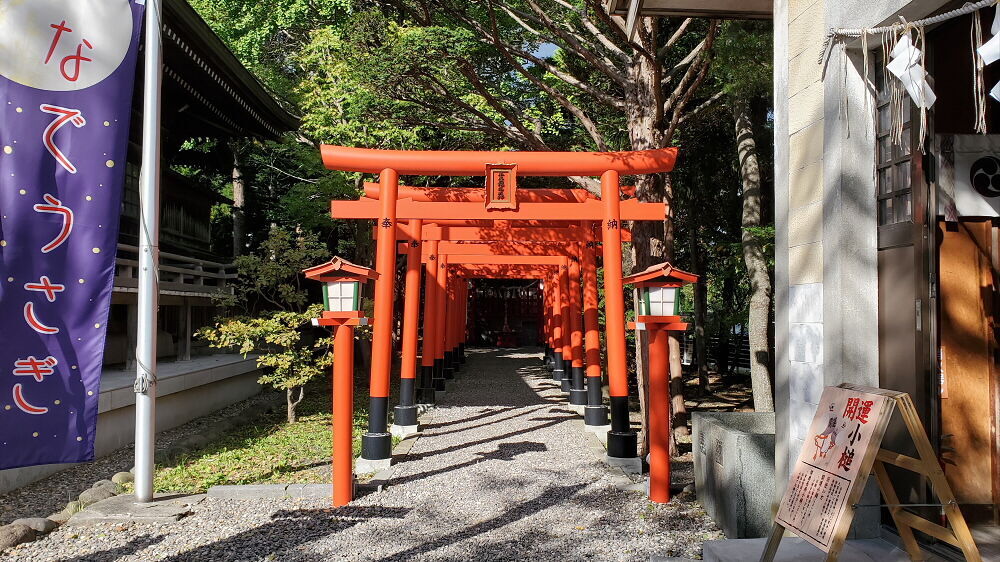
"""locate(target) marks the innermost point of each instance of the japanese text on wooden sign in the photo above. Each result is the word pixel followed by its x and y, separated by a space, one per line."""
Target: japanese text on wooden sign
pixel 846 430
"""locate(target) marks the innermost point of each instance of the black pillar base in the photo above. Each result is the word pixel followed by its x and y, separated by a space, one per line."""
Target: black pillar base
pixel 449 360
pixel 376 446
pixel 566 384
pixel 558 374
pixel 439 385
pixel 550 364
pixel 623 444
pixel 426 395
pixel 449 373
pixel 577 397
pixel 595 415
pixel 461 353
pixel 404 415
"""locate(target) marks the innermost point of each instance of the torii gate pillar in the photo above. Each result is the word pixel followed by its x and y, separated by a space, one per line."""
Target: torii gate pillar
pixel 622 440
pixel 404 416
pixel 428 380
pixel 566 312
pixel 376 444
pixel 559 365
pixel 577 394
pixel 442 325
pixel 595 414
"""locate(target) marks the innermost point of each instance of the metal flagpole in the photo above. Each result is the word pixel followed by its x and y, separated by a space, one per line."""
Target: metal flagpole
pixel 149 233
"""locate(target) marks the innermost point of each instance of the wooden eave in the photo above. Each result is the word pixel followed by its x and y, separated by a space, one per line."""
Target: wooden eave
pixel 223 98
pixel 339 268
pixel 662 272
pixel 722 9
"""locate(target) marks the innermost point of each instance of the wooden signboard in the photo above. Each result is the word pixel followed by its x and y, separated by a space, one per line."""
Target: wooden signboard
pixel 501 186
pixel 842 448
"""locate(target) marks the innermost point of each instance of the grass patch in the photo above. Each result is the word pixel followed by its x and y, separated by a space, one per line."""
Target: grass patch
pixel 270 450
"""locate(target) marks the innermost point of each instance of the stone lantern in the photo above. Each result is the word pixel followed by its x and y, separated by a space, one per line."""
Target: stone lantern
pixel 659 289
pixel 342 282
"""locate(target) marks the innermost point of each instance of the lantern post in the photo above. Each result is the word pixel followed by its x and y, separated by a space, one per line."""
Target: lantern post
pixel 659 313
pixel 342 311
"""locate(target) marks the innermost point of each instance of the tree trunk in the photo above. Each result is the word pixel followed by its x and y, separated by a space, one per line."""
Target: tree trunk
pixel 700 311
pixel 292 403
pixel 239 202
pixel 755 260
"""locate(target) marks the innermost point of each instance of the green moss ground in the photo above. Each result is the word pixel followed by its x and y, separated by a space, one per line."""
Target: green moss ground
pixel 270 450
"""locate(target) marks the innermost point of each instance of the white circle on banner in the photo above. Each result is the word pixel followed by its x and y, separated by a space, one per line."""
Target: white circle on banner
pixel 63 46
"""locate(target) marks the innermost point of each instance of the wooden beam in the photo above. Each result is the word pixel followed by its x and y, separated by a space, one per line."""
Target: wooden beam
pixel 473 163
pixel 499 249
pixel 592 210
pixel 459 259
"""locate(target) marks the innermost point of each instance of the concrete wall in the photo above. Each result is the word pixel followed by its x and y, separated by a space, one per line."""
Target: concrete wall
pixel 184 394
pixel 826 276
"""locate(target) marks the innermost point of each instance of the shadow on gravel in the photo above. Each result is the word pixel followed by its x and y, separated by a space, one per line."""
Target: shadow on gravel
pixel 551 496
pixel 131 547
pixel 504 452
pixel 483 414
pixel 289 529
pixel 553 421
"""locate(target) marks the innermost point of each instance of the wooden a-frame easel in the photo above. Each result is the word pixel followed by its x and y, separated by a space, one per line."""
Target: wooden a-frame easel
pixel 927 464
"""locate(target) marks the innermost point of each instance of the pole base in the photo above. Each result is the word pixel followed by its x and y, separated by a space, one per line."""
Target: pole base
pixel 368 466
pixel 623 444
pixel 558 374
pixel 577 397
pixel 596 416
pixel 439 385
pixel 426 396
pixel 550 364
pixel 566 385
pixel 404 430
pixel 630 465
pixel 449 373
pixel 376 446
pixel 404 415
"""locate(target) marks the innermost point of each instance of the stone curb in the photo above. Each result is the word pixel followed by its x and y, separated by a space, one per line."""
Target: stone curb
pixel 10 538
pixel 260 491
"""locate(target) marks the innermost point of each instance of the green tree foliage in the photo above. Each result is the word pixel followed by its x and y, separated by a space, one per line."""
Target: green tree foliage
pixel 288 357
pixel 275 319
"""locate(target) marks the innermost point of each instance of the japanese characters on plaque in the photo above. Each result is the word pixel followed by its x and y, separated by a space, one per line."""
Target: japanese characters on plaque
pixel 67 71
pixel 501 186
pixel 846 423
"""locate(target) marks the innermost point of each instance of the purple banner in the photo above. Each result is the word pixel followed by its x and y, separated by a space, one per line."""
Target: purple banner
pixel 67 71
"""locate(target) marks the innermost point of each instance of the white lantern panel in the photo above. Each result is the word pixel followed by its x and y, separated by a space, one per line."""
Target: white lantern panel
pixel 342 296
pixel 662 301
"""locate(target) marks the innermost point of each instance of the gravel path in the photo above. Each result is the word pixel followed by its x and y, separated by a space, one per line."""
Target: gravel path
pixel 50 494
pixel 503 471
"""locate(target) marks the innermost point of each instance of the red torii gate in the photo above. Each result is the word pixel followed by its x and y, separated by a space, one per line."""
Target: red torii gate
pixel 610 211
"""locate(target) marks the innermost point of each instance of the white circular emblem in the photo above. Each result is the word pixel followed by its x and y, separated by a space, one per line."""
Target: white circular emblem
pixel 63 45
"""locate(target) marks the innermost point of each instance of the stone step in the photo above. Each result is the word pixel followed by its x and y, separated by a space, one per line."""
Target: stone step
pixel 794 549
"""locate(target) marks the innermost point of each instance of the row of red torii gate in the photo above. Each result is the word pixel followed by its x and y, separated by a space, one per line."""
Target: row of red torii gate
pixel 452 235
